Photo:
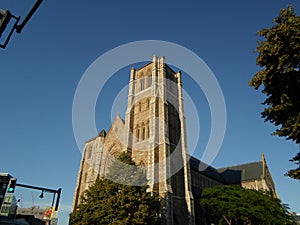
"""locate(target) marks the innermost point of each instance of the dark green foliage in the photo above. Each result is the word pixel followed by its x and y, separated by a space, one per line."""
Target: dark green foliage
pixel 279 59
pixel 295 173
pixel 234 205
pixel 107 202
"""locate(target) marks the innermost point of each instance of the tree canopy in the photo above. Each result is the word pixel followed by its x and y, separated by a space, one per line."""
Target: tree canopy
pixel 234 205
pixel 108 202
pixel 279 59
pixel 295 173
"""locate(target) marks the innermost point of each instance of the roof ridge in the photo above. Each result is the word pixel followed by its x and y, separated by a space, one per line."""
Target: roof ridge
pixel 242 164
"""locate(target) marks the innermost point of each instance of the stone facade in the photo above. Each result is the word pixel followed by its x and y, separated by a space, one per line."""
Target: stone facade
pixel 155 128
pixel 255 175
pixel 98 155
pixel 154 133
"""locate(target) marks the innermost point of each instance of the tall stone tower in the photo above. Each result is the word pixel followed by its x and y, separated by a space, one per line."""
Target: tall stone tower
pixel 154 133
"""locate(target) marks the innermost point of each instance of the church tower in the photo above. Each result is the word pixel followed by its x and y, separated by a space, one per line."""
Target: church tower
pixel 155 135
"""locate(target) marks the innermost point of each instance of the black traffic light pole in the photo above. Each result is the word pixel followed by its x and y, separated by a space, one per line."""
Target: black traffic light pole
pixel 19 27
pixel 58 192
pixel 29 15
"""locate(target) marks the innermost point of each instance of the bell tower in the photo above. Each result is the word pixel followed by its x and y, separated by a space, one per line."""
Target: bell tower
pixel 155 136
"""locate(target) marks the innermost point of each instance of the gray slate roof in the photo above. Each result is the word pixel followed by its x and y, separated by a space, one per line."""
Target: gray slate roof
pixel 243 172
pixel 205 169
pixel 229 175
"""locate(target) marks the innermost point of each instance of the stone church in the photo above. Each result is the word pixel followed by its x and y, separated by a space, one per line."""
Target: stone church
pixel 154 134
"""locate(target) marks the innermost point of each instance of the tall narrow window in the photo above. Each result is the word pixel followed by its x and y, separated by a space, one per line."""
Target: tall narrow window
pixel 142 84
pixel 85 178
pixel 138 134
pixel 148 131
pixel 149 80
pixel 143 133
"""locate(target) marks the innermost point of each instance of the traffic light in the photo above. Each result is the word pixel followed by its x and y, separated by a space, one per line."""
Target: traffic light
pixel 4 180
pixel 11 185
pixel 5 17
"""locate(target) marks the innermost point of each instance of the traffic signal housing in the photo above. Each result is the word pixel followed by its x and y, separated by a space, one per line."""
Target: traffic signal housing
pixel 5 17
pixel 4 180
pixel 11 185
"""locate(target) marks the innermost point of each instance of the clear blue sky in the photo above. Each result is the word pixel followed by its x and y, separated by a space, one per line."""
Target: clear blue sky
pixel 40 70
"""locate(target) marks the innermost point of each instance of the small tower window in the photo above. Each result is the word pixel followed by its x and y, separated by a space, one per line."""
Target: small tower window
pixel 138 134
pixel 142 84
pixel 148 103
pixel 148 131
pixel 149 80
pixel 143 133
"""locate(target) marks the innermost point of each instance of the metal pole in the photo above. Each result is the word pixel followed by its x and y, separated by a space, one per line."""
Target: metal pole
pixel 57 199
pixel 58 192
pixel 53 200
pixel 29 15
pixel 37 188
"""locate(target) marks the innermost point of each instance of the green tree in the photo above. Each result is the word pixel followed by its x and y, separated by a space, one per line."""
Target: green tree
pixel 295 173
pixel 108 202
pixel 279 59
pixel 234 205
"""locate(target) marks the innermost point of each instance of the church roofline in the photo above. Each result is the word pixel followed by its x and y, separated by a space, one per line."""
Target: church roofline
pixel 238 165
pixel 92 139
pixel 118 117
pixel 248 171
pixel 101 133
pixel 231 174
pixel 143 66
pixel 140 68
pixel 207 170
pixel 170 68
